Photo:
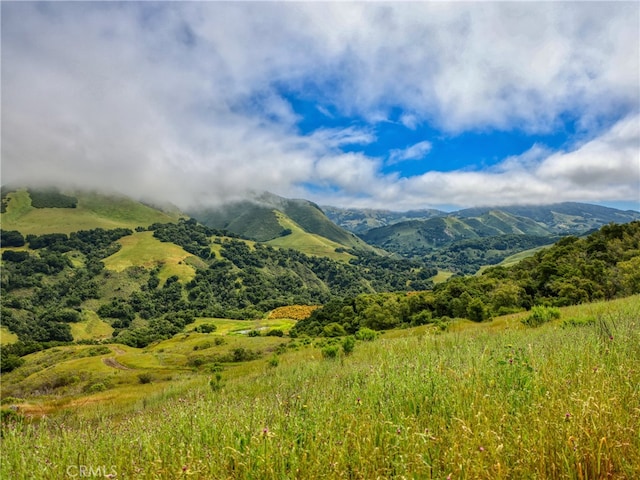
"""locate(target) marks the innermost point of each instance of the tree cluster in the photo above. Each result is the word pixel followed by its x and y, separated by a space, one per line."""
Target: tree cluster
pixel 602 266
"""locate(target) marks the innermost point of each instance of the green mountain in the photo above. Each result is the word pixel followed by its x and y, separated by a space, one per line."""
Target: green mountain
pixel 562 218
pixel 360 220
pixel 466 240
pixel 264 218
pixel 423 235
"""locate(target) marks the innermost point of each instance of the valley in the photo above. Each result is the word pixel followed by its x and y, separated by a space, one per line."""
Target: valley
pixel 298 350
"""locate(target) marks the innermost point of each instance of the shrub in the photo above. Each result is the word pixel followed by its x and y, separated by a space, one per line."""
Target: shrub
pixel 330 351
pixel 243 355
pixel 206 328
pixel 366 334
pixel 202 346
pixel 275 333
pixel 219 341
pixel 145 378
pixel 254 333
pixel 333 330
pixel 578 322
pixel 274 361
pixel 348 344
pixel 216 382
pixel 196 361
pixel 540 315
pixel 96 387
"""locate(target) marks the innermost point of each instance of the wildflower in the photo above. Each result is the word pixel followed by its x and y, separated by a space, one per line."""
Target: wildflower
pixel 265 431
pixel 358 401
pixel 185 468
pixel 567 416
pixel 398 431
pixel 481 449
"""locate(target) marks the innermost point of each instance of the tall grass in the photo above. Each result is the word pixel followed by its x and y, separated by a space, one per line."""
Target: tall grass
pixel 549 402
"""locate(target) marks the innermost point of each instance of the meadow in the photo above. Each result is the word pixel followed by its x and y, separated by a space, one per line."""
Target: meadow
pixel 494 400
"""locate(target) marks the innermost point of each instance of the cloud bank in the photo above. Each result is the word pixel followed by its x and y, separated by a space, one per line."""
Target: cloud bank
pixel 191 102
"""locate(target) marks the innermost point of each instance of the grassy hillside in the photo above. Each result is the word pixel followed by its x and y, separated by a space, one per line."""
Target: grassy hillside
pixel 93 210
pixel 143 250
pixel 261 219
pixel 309 243
pixel 493 400
pixel 360 220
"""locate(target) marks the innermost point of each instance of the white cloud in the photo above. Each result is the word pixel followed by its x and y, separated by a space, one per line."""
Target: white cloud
pixel 416 151
pixel 183 101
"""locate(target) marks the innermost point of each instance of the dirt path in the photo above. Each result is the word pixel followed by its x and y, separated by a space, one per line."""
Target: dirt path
pixel 113 363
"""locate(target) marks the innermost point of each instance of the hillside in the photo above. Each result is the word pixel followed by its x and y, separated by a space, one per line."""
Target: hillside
pixel 360 220
pixel 466 240
pixel 560 218
pixel 414 402
pixel 81 211
pixel 148 284
pixel 257 219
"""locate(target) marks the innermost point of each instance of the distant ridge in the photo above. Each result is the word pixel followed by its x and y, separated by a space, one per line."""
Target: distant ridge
pixel 559 218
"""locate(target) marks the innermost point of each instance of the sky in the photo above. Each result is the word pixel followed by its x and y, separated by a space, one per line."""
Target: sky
pixel 371 105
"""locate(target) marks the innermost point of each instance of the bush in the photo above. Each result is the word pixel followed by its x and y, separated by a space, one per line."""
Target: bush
pixel 275 333
pixel 540 315
pixel 243 355
pixel 366 334
pixel 202 346
pixel 274 361
pixel 145 378
pixel 96 387
pixel 11 238
pixel 333 330
pixel 578 322
pixel 330 351
pixel 206 328
pixel 348 344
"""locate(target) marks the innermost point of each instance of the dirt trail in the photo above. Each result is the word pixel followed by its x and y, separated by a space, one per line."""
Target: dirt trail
pixel 113 363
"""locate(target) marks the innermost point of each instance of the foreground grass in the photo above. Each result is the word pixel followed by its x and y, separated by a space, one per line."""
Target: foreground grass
pixel 550 402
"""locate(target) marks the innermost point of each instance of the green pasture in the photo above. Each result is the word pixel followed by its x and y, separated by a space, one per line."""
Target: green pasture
pixel 142 249
pixel 91 327
pixel 308 243
pixel 93 211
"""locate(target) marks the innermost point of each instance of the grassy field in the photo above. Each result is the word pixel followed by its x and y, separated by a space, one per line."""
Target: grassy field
pixel 91 327
pixel 93 211
pixel 144 250
pixel 493 400
pixel 442 276
pixel 7 337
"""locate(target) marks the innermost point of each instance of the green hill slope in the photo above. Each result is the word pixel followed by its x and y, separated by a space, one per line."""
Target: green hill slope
pixel 92 210
pixel 466 240
pixel 258 220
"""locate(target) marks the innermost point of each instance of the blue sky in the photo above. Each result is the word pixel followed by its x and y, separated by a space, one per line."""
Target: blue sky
pixel 381 105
